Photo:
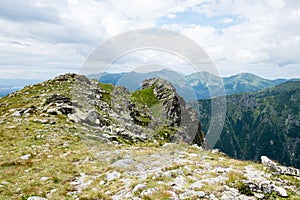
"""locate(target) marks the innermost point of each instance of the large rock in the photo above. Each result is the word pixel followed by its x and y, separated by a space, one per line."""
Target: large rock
pixel 123 163
pixel 57 98
pixel 110 176
pixel 177 111
pixel 91 117
pixel 278 168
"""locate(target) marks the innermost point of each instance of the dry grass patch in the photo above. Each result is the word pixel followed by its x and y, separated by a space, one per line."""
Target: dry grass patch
pixel 234 176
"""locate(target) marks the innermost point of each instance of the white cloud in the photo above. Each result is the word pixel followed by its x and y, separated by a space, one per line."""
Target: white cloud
pixel 265 41
pixel 226 20
pixel 57 34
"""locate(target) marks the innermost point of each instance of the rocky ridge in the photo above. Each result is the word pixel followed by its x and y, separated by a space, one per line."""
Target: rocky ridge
pixel 134 120
pixel 114 115
pixel 70 139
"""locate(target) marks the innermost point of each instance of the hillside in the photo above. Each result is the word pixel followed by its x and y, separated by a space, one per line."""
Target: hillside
pixel 247 82
pixel 261 123
pixel 75 138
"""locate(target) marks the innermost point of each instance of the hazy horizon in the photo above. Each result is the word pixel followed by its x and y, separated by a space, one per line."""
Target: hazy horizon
pixel 138 71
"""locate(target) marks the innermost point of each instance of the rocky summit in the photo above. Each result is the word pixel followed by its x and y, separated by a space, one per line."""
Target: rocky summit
pixel 75 138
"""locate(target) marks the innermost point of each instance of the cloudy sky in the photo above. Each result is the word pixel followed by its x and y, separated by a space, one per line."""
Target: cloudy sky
pixel 41 39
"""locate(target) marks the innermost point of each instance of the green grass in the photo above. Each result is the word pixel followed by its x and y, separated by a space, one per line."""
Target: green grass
pixel 106 93
pixel 107 87
pixel 165 133
pixel 243 189
pixel 234 176
pixel 144 97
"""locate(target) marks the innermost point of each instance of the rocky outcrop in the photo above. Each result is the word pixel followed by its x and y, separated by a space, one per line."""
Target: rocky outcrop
pixel 177 111
pixel 116 117
pixel 280 169
pixel 164 91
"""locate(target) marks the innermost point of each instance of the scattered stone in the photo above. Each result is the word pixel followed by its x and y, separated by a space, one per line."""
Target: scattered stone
pixel 101 182
pixel 197 147
pixel 51 193
pixel 207 158
pixel 123 163
pixel 136 198
pixel 173 195
pixel 228 196
pixel 53 111
pixel 200 194
pixel 197 185
pixel 108 192
pixel 149 192
pixel 212 197
pixel 259 195
pixel 16 114
pixel 180 183
pixel 139 187
pixel 280 191
pixel 119 195
pixel 266 187
pixel 110 176
pixel 82 182
pixel 191 193
pixel 215 151
pixel 45 178
pixel 36 198
pixel 44 121
pixel 193 155
pixel 25 157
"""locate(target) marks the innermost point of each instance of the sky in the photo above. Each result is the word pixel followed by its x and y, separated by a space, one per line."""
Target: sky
pixel 42 39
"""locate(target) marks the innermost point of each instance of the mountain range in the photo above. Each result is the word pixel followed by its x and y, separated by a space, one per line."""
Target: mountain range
pixel 193 86
pixel 190 87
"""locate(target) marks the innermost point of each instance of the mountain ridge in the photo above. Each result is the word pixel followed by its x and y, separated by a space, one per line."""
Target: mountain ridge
pixel 196 85
pixel 53 148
